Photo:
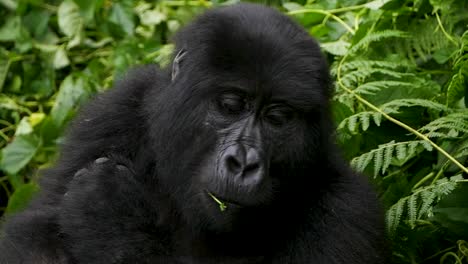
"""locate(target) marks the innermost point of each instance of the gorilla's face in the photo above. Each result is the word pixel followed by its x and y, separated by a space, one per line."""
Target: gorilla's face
pixel 246 125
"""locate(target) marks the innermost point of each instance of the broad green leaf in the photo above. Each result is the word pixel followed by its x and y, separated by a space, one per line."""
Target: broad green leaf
pixel 24 127
pixel 21 197
pixel 88 8
pixel 10 31
pixel 36 22
pixel 69 18
pixel 376 4
pixel 60 58
pixel 8 103
pixel 152 17
pixel 122 15
pixel 10 4
pixel 36 118
pixel 4 67
pixel 452 211
pixel 291 6
pixel 70 93
pixel 441 56
pixel 339 47
pixel 45 47
pixel 18 153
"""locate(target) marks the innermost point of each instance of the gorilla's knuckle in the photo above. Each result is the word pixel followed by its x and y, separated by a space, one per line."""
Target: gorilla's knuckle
pixel 101 160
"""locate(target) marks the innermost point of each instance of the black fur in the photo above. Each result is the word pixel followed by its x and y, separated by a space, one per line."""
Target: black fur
pixel 130 186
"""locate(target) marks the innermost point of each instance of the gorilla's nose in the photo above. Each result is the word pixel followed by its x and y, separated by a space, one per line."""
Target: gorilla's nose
pixel 244 163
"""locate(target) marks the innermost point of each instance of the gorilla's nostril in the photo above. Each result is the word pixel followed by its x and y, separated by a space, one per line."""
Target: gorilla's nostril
pixel 252 167
pixel 233 165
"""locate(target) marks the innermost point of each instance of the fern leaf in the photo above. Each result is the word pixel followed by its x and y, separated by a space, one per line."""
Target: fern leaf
pixel 383 155
pixel 427 199
pixel 456 86
pixel 401 151
pixel 376 36
pixel 352 123
pixel 395 105
pixel 378 160
pixel 365 120
pixel 361 162
pixel 428 195
pixel 362 118
pixel 447 126
pixel 388 156
pixel 376 86
pixel 412 209
pixel 369 64
pixel 377 117
pixel 394 215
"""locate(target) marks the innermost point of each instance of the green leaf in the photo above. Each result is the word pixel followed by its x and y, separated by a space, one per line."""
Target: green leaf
pixel 19 152
pixel 69 18
pixel 70 93
pixel 441 56
pixel 10 4
pixel 60 58
pixel 152 17
pixel 21 197
pixel 4 67
pixel 122 15
pixel 452 211
pixel 10 31
pixel 339 47
pixel 88 8
pixel 376 4
pixel 24 127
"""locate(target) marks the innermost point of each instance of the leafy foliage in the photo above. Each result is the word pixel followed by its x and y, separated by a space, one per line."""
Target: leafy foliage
pixel 401 79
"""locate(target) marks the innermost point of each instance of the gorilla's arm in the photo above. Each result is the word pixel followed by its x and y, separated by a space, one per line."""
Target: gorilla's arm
pixel 111 123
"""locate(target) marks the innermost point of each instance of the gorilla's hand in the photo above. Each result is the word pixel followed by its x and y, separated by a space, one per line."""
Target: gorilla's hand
pixel 95 187
pixel 99 207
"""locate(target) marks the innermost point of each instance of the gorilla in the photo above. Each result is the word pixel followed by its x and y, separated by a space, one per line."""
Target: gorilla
pixel 226 156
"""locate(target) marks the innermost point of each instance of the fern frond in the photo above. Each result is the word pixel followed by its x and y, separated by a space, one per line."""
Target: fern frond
pixel 371 88
pixel 376 36
pixel 462 149
pixel 350 79
pixel 362 118
pixel 448 126
pixel 369 64
pixel 395 105
pixel 456 86
pixel 419 204
pixel 383 155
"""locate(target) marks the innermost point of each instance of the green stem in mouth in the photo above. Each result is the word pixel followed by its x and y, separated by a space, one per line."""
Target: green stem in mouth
pixel 222 206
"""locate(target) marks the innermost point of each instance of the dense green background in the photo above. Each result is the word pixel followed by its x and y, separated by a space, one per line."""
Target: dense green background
pixel 401 76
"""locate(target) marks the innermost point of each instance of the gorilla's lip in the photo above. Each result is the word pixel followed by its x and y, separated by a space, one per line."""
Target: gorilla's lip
pixel 230 202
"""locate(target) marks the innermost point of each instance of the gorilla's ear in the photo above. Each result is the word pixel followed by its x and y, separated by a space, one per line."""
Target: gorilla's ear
pixel 177 63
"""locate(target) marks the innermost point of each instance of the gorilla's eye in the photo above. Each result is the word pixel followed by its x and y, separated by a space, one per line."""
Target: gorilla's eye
pixel 279 114
pixel 232 103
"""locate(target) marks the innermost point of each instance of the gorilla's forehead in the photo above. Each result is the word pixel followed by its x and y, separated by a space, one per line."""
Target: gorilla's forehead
pixel 259 50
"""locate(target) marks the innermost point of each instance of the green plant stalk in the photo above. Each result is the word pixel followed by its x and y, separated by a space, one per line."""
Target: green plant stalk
pixel 222 205
pixel 447 35
pixel 395 121
pixel 323 12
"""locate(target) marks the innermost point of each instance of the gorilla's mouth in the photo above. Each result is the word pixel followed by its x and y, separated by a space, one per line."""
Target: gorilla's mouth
pixel 222 202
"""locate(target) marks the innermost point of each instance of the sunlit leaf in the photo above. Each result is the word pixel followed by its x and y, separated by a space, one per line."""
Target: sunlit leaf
pixel 71 91
pixel 69 18
pixel 18 153
pixel 21 197
pixel 60 58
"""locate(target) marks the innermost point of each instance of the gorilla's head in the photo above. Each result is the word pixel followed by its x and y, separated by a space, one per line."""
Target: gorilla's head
pixel 244 120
